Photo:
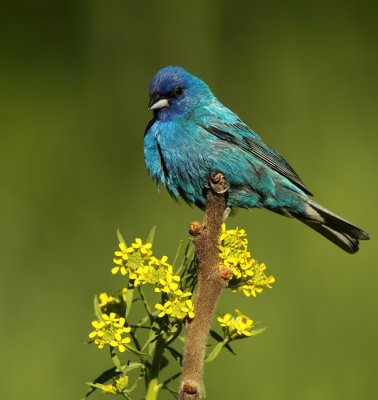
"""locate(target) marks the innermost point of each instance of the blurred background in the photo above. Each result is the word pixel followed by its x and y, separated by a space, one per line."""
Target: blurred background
pixel 74 79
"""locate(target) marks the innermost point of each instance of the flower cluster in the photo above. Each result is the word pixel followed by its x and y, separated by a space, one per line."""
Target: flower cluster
pixel 110 330
pixel 177 307
pixel 129 260
pixel 248 276
pixel 236 327
pixel 117 387
pixel 142 267
pixel 139 270
pixel 104 300
pixel 116 304
pixel 258 281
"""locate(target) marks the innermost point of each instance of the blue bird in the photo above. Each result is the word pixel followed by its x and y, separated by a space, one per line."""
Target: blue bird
pixel 193 136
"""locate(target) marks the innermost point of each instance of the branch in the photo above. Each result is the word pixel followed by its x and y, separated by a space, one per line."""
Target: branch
pixel 210 285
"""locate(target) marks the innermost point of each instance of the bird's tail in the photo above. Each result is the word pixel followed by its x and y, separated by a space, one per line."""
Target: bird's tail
pixel 334 228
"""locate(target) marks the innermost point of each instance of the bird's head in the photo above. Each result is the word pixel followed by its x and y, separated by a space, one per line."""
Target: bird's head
pixel 175 92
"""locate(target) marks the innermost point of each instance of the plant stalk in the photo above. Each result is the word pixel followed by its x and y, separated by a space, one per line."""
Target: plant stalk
pixel 210 285
pixel 152 384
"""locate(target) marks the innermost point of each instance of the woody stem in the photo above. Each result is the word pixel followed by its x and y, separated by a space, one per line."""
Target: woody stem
pixel 209 286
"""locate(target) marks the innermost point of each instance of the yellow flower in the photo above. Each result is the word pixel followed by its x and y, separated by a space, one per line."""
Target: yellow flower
pixel 145 249
pixel 138 276
pixel 108 389
pixel 118 268
pixel 156 270
pixel 118 387
pixel 242 324
pixel 248 276
pixel 108 304
pixel 176 308
pixel 121 383
pixel 188 308
pixel 110 330
pixel 179 293
pixel 236 327
pixel 225 320
pixel 100 343
pixel 109 319
pixel 233 250
pixel 257 282
pixel 233 235
pixel 98 325
pixel 119 342
pixel 164 309
pixel 131 260
pixel 105 299
pixel 125 251
pixel 168 283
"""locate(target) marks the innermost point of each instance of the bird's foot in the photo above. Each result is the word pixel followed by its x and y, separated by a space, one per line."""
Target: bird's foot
pixel 218 183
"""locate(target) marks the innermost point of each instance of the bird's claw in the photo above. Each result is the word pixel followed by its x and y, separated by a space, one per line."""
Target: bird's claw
pixel 218 183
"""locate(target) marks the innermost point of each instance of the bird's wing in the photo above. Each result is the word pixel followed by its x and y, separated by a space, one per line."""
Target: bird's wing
pixel 233 130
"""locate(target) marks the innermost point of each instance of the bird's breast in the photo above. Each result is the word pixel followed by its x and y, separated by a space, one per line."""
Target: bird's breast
pixel 185 159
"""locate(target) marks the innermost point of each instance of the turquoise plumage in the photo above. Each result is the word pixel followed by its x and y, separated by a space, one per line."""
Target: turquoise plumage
pixel 193 136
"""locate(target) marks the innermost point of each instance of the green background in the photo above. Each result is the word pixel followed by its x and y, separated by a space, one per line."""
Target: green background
pixel 74 79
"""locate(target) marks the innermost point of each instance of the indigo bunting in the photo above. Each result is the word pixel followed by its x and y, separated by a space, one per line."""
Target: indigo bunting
pixel 193 136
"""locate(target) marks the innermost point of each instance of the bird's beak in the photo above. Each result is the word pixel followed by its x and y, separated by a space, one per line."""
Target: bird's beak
pixel 157 101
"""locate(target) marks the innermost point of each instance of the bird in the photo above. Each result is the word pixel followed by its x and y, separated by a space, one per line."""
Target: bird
pixel 193 136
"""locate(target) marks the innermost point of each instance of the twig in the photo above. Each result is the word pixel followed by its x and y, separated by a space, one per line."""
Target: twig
pixel 210 285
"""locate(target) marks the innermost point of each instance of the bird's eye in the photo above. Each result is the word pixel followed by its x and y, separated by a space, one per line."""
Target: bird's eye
pixel 178 91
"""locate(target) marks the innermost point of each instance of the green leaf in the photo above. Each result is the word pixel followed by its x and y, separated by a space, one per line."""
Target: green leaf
pixel 168 381
pixel 134 386
pixel 177 254
pixel 216 336
pixel 128 301
pixel 115 359
pixel 151 338
pixel 151 342
pixel 174 333
pixel 97 308
pixel 133 365
pixel 181 339
pixel 101 379
pixel 93 388
pixel 95 385
pixel 203 390
pixel 120 237
pixel 145 302
pixel 134 350
pixel 172 378
pixel 173 392
pixel 151 235
pixel 175 354
pixel 219 338
pixel 187 260
pixel 256 332
pixel 107 375
pixel 163 363
pixel 215 352
pixel 229 348
pixel 141 323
